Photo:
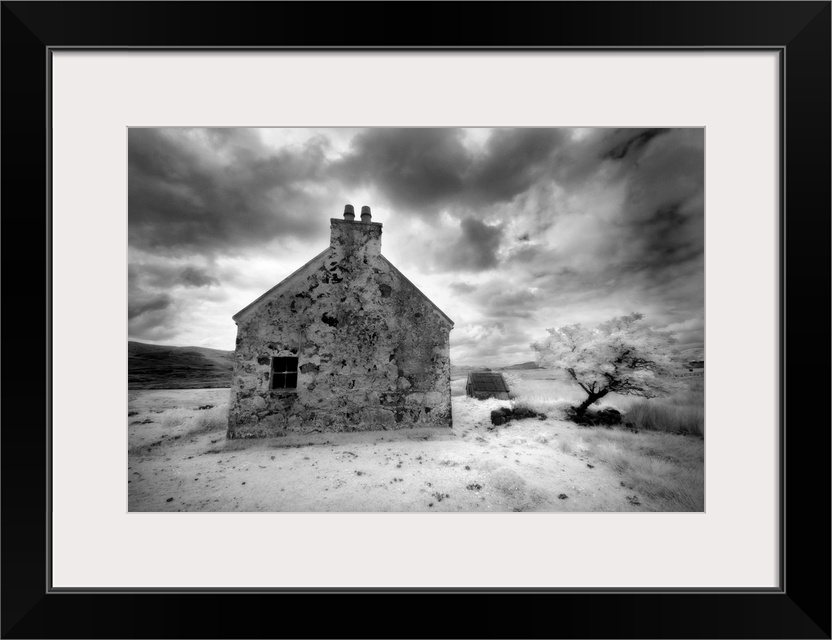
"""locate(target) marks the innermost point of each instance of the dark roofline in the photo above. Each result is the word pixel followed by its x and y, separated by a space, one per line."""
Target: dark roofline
pixel 237 315
pixel 419 291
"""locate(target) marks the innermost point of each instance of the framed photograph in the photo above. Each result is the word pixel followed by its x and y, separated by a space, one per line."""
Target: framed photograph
pixel 217 176
pixel 350 387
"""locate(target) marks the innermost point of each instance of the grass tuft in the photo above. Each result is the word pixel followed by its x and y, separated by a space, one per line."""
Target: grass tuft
pixel 178 417
pixel 683 412
pixel 540 404
pixel 195 420
pixel 662 467
pixel 214 419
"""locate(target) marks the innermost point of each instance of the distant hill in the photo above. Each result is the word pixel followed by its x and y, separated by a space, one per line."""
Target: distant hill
pixel 521 366
pixel 457 370
pixel 152 366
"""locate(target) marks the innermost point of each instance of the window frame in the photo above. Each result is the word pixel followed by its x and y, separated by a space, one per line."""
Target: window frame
pixel 285 374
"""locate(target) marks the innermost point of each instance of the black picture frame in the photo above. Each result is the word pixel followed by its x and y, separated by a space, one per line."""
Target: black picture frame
pixel 799 608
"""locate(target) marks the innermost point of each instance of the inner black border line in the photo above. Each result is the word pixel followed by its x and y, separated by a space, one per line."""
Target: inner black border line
pixel 418 49
pixel 425 590
pixel 781 50
pixel 781 272
pixel 49 235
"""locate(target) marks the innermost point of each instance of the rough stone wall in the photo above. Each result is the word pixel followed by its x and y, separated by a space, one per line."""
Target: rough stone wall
pixel 372 352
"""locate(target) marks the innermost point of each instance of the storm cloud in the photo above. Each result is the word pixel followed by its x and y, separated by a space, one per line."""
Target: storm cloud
pixel 419 169
pixel 218 190
pixel 475 248
pixel 142 303
pixel 509 230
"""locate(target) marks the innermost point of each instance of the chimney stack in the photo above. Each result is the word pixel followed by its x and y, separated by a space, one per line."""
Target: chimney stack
pixel 355 241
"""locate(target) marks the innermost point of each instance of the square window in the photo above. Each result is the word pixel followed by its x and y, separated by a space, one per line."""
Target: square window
pixel 284 374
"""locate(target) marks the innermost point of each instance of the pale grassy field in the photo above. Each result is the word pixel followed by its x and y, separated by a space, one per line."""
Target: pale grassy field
pixel 179 460
pixel 660 457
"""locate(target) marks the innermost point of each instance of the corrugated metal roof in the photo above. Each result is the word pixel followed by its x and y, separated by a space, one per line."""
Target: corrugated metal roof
pixel 487 382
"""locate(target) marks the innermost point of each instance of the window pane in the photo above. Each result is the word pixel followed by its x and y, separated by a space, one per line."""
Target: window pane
pixel 282 365
pixel 278 380
pixel 284 373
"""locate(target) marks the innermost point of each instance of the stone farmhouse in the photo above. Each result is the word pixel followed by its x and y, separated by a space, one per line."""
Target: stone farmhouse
pixel 345 343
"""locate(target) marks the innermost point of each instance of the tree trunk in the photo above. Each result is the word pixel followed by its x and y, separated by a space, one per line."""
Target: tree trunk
pixel 593 397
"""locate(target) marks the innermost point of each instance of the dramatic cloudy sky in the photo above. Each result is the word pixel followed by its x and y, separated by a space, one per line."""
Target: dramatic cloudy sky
pixel 509 231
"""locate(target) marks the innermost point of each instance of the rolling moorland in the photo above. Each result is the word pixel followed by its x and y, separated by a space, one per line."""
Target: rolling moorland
pixel 151 366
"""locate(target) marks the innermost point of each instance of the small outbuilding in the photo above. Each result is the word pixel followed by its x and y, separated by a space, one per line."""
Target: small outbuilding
pixel 483 385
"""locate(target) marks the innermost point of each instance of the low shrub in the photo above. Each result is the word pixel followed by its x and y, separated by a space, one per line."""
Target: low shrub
pixel 595 417
pixel 541 405
pixel 505 414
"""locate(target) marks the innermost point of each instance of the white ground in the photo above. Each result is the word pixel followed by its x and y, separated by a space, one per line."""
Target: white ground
pixel 181 461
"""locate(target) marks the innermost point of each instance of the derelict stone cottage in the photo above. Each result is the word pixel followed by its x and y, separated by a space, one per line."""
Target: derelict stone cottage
pixel 345 343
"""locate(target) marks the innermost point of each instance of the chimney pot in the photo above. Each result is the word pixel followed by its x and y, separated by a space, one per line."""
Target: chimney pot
pixel 366 216
pixel 349 212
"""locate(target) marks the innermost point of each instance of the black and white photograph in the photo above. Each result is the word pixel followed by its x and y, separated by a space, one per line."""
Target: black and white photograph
pixel 416 320
pixel 416 311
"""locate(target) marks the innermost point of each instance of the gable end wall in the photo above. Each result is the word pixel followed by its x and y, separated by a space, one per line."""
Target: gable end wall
pixel 373 353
